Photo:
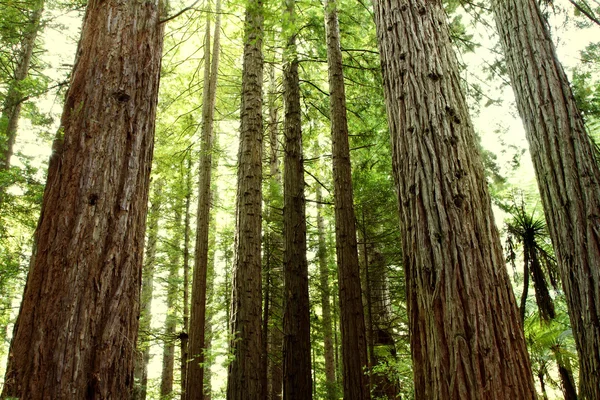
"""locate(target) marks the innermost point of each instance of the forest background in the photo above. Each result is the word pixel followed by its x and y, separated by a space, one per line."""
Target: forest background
pixel 177 151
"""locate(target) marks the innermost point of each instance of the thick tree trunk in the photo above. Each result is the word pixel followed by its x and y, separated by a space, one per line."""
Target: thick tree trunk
pixel 297 380
pixel 354 345
pixel 325 302
pixel 78 319
pixel 466 338
pixel 143 344
pixel 173 289
pixel 11 108
pixel 195 374
pixel 567 172
pixel 244 375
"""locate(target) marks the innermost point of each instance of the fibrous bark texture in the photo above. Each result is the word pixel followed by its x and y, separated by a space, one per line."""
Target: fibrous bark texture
pixel 297 383
pixel 195 374
pixel 354 344
pixel 244 375
pixel 567 172
pixel 78 320
pixel 466 338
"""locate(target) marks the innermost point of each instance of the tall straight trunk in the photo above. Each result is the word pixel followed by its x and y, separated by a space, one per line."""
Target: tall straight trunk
pixel 184 335
pixel 195 373
pixel 11 108
pixel 173 289
pixel 273 254
pixel 244 373
pixel 567 172
pixel 143 344
pixel 297 380
pixel 79 315
pixel 466 337
pixel 354 344
pixel 330 382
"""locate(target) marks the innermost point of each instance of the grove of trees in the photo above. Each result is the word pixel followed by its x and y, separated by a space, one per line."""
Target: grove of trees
pixel 299 200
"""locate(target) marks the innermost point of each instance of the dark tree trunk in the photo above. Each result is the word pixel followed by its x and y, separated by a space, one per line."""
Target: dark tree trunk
pixel 143 345
pixel 79 315
pixel 244 376
pixel 354 344
pixel 330 382
pixel 195 373
pixel 466 337
pixel 297 382
pixel 566 375
pixel 567 172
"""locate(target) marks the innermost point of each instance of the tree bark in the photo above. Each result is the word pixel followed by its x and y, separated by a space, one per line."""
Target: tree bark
pixel 567 172
pixel 195 373
pixel 244 375
pixel 330 382
pixel 297 380
pixel 354 345
pixel 466 337
pixel 143 343
pixel 78 319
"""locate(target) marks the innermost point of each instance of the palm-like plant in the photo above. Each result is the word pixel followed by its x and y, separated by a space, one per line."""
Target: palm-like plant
pixel 529 230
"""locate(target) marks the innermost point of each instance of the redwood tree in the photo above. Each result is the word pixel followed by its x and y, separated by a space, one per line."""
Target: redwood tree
pixel 244 375
pixel 466 337
pixel 297 384
pixel 195 375
pixel 354 344
pixel 79 317
pixel 566 168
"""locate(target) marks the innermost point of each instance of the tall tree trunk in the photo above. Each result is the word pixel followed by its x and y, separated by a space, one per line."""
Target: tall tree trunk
pixel 184 335
pixel 567 172
pixel 79 315
pixel 195 374
pixel 273 251
pixel 354 344
pixel 244 374
pixel 330 382
pixel 297 380
pixel 143 343
pixel 173 289
pixel 466 337
pixel 11 107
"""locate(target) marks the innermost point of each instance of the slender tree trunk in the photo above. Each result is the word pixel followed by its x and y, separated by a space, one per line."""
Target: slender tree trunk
pixel 273 250
pixel 173 289
pixel 195 373
pixel 183 336
pixel 354 345
pixel 325 302
pixel 466 337
pixel 523 304
pixel 566 169
pixel 11 107
pixel 244 375
pixel 297 382
pixel 79 315
pixel 143 343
